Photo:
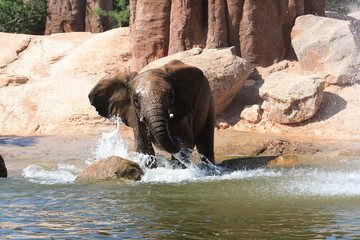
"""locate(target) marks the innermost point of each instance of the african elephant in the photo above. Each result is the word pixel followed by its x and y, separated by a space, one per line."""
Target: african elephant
pixel 171 107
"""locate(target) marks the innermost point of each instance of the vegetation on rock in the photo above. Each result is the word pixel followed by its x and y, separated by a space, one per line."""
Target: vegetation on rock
pixel 120 14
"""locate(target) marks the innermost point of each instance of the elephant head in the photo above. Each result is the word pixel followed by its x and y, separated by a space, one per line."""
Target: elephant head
pixel 151 100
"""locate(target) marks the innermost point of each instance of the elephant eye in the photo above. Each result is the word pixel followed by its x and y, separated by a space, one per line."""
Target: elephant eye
pixel 136 101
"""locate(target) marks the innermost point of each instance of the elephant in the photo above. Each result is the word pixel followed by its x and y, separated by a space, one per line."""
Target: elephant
pixel 171 107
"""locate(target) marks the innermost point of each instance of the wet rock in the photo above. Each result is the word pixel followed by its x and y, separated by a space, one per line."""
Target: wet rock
pixel 284 161
pixel 328 46
pixel 225 71
pixel 251 113
pixel 3 170
pixel 291 98
pixel 112 168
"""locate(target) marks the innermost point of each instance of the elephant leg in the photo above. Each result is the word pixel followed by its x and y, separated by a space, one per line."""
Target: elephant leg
pixel 205 142
pixel 143 145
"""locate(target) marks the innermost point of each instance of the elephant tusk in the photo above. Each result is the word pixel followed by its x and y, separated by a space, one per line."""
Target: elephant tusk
pixel 171 116
pixel 142 120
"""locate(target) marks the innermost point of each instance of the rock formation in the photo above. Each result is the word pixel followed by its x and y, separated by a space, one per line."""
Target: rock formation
pixel 260 30
pixel 251 113
pixel 3 170
pixel 328 46
pixel 45 80
pixel 291 98
pixel 76 16
pixel 225 71
pixel 111 168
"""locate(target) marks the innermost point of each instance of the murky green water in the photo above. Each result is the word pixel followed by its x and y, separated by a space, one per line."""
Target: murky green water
pixel 297 203
pixel 41 200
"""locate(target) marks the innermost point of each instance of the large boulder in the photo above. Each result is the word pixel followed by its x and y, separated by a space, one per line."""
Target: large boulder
pixel 291 98
pixel 258 29
pixel 112 168
pixel 328 46
pixel 44 89
pixel 225 71
pixel 3 170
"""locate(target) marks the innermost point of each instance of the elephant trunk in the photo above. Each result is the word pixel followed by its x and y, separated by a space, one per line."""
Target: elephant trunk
pixel 157 123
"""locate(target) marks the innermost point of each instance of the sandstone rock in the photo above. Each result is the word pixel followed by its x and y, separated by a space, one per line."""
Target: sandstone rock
pixel 291 98
pixel 258 29
pixel 328 46
pixel 3 170
pixel 355 14
pixel 15 44
pixel 252 113
pixel 44 91
pixel 111 168
pixel 96 24
pixel 284 161
pixel 65 16
pixel 225 71
pixel 13 80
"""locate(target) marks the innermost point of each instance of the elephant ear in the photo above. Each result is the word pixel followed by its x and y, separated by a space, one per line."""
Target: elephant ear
pixel 111 97
pixel 187 82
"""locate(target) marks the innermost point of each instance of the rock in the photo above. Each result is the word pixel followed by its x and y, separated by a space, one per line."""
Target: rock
pixel 77 16
pixel 259 30
pixel 284 161
pixel 316 7
pixel 3 170
pixel 96 24
pixel 111 168
pixel 291 98
pixel 65 16
pixel 13 80
pixel 355 14
pixel 44 91
pixel 225 71
pixel 328 46
pixel 15 44
pixel 251 113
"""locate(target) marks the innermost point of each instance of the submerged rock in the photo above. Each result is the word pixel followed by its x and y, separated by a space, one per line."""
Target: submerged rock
pixel 112 168
pixel 225 71
pixel 291 98
pixel 3 170
pixel 284 161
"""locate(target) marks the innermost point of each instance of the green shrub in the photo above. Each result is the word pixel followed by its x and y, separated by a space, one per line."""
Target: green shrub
pixel 120 14
pixel 19 17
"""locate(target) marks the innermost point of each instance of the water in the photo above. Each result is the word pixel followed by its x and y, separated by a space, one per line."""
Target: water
pixel 308 202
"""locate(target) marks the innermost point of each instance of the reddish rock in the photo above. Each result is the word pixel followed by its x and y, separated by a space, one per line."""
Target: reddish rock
pixel 260 30
pixel 96 24
pixel 316 7
pixel 187 25
pixel 65 16
pixel 150 31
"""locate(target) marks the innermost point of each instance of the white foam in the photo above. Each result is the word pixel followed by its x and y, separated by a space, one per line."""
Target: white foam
pixel 44 174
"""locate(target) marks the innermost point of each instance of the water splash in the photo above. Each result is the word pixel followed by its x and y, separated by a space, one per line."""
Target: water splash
pixel 45 174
